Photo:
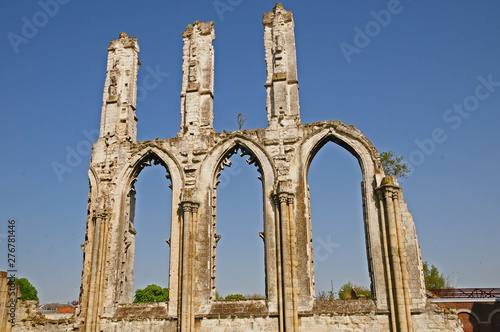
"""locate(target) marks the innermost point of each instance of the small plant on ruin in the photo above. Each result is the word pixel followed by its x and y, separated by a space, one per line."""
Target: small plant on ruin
pixel 325 296
pixel 394 164
pixel 240 120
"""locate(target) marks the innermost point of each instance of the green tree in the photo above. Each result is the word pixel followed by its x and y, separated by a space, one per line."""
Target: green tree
pixel 240 120
pixel 28 291
pixel 394 165
pixel 434 279
pixel 151 293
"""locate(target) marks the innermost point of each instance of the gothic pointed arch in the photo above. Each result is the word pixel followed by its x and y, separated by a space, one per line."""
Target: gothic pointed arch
pixel 347 137
pixel 217 159
pixel 361 148
pixel 142 156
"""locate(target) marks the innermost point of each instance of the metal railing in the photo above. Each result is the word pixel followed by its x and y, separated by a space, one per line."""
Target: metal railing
pixel 467 293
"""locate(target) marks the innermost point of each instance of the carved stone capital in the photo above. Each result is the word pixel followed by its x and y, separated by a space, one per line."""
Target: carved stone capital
pixel 283 198
pixel 189 206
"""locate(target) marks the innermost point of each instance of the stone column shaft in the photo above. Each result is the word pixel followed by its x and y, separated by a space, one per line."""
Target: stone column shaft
pixel 91 319
pixel 279 268
pixel 387 262
pixel 397 287
pixel 397 257
pixel 186 306
pixel 287 301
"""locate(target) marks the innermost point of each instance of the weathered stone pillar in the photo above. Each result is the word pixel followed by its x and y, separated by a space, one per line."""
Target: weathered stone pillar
pixel 198 79
pixel 186 307
pixel 287 299
pixel 396 264
pixel 91 305
pixel 282 83
pixel 120 90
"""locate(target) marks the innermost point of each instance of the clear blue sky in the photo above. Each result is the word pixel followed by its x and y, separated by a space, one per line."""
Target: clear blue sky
pixel 398 85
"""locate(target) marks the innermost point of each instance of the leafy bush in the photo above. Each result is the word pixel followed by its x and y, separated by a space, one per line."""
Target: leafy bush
pixel 346 292
pixel 151 293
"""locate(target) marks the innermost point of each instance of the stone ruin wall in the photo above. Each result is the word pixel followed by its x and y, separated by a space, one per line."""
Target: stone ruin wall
pixel 282 153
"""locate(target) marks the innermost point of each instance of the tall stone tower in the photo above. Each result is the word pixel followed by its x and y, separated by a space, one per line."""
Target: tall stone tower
pixel 197 96
pixel 282 83
pixel 120 90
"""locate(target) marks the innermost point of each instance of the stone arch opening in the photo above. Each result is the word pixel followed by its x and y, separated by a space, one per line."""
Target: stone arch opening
pixel 130 220
pixel 239 215
pixel 367 157
pixel 336 218
pixel 153 199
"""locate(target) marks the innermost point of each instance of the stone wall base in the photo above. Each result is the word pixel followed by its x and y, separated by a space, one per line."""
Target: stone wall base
pixel 433 319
